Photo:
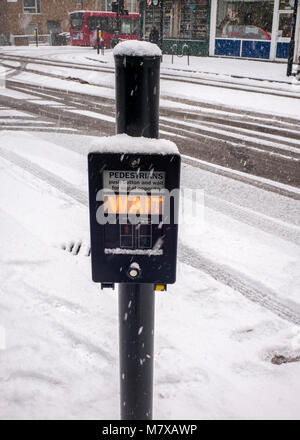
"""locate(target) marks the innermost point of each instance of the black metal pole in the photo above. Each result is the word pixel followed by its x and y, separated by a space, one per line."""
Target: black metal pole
pixel 137 95
pixel 98 40
pixel 118 18
pixel 136 345
pixel 161 24
pixel 142 14
pixel 36 37
pixel 137 114
pixel 292 42
pixel 102 44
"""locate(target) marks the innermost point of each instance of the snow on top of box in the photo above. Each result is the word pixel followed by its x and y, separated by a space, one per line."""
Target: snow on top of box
pixel 135 48
pixel 122 143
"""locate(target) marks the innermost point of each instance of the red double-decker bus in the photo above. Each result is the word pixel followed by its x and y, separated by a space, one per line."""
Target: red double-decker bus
pixel 83 27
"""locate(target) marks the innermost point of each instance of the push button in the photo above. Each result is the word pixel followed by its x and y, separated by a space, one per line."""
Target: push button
pixel 134 271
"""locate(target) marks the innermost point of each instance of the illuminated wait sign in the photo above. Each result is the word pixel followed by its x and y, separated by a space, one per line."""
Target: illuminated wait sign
pixel 133 204
pixel 131 191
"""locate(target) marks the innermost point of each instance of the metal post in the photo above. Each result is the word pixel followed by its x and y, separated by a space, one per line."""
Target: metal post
pixel 137 109
pixel 174 47
pixel 137 95
pixel 136 320
pixel 98 39
pixel 161 24
pixel 142 14
pixel 292 42
pixel 185 47
pixel 118 18
pixel 36 37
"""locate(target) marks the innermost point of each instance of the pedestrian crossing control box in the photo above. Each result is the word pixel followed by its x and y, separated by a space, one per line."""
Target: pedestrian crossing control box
pixel 134 207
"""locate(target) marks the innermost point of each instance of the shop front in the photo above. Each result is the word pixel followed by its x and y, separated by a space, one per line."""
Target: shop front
pixel 185 22
pixel 259 29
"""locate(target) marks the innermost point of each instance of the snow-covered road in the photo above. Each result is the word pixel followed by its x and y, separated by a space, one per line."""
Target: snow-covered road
pixel 249 141
pixel 214 347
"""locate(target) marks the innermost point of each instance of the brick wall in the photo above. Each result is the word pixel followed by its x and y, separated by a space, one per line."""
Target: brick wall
pixel 3 15
pixel 13 20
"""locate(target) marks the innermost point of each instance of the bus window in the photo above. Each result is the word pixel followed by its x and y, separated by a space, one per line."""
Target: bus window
pixel 125 27
pixel 105 26
pixel 94 22
pixel 135 26
pixel 76 21
pixel 129 26
pixel 111 25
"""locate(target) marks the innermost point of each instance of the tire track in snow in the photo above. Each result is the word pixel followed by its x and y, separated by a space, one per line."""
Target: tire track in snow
pixel 248 287
pixel 251 289
pixel 233 82
pixel 265 151
pixel 42 174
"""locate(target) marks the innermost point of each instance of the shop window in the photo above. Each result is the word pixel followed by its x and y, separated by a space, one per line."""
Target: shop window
pixel 193 23
pixel 285 25
pixel 186 19
pixel 169 22
pixel 251 20
pixel 169 17
pixel 152 18
pixel 285 5
pixel 32 6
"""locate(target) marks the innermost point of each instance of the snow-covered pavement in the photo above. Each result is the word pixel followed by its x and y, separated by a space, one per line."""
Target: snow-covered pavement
pixel 214 347
pixel 227 334
pixel 221 79
pixel 214 65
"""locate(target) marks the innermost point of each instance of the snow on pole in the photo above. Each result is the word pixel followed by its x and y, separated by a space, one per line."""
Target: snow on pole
pixel 122 143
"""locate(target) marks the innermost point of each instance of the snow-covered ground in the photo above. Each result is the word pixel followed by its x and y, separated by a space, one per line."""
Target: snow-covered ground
pixel 215 65
pixel 213 348
pixel 256 75
pixel 235 307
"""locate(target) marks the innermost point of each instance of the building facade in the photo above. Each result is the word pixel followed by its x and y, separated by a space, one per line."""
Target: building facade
pixel 259 29
pixel 185 22
pixel 21 17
